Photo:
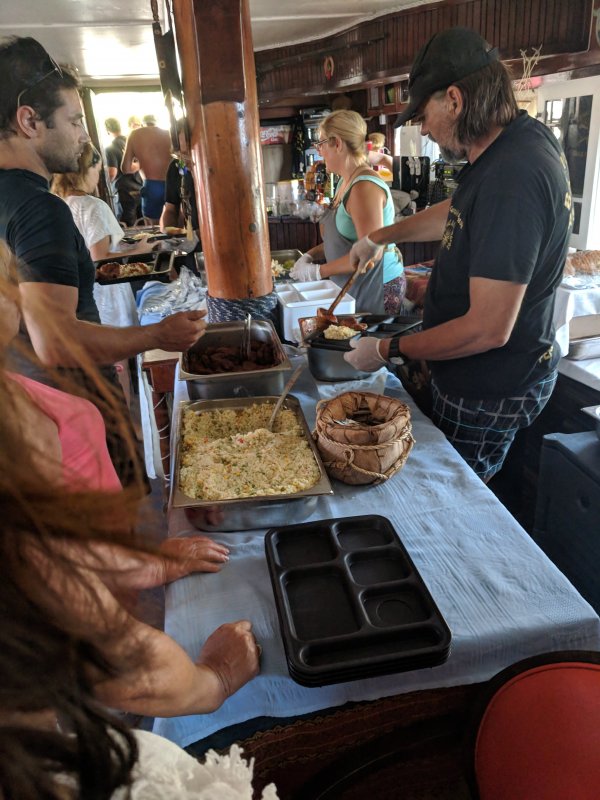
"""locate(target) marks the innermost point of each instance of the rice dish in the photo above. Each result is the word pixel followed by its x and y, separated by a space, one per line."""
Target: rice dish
pixel 229 454
pixel 339 332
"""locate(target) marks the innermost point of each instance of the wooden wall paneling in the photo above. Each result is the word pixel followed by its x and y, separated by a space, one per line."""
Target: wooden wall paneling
pixel 384 49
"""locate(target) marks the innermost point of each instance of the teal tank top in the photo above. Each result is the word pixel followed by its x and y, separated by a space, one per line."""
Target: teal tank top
pixel 392 259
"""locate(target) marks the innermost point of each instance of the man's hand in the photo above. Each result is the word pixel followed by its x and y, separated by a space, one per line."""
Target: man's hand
pixel 364 251
pixel 179 331
pixel 365 355
pixel 305 269
pixel 191 554
pixel 232 654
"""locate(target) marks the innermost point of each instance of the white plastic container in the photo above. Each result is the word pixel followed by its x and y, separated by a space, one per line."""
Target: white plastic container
pixel 298 300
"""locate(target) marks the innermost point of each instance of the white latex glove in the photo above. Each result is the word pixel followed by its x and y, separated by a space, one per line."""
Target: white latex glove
pixel 365 355
pixel 305 269
pixel 363 252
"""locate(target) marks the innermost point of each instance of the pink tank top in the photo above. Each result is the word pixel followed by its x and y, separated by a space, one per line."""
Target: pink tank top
pixel 85 460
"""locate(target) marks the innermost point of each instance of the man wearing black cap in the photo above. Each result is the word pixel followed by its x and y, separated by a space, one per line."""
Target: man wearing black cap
pixel 487 333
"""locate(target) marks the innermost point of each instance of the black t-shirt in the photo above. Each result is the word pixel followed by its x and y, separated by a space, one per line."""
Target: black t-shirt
pixel 39 228
pixel 173 189
pixel 509 220
pixel 114 157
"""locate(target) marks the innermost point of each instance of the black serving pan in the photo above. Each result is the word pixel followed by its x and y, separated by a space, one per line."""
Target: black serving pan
pixel 159 271
pixel 326 356
pixel 350 601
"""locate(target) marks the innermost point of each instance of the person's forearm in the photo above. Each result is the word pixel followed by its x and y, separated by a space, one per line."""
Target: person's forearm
pixel 424 226
pixel 167 683
pixel 317 253
pixel 459 337
pixel 104 344
pixel 171 217
pixel 340 266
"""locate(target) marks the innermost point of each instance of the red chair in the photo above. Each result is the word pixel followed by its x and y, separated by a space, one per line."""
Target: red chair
pixel 538 736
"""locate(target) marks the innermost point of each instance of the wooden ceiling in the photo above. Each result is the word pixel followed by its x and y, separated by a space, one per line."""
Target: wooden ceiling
pixel 112 40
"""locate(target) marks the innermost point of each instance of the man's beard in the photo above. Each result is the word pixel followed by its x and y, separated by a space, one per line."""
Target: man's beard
pixel 60 161
pixel 451 155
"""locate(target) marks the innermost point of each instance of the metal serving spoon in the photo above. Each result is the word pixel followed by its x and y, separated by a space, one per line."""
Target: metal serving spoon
pixel 283 395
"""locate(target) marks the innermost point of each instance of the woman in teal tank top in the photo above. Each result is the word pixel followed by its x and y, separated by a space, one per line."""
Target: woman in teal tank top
pixel 362 203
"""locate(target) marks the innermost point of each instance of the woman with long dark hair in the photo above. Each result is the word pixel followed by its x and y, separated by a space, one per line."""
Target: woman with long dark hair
pixel 69 648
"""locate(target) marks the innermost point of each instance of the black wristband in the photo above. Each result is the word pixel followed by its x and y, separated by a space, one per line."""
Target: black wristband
pixel 396 355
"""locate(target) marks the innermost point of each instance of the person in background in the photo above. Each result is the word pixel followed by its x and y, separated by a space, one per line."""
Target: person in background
pixel 134 122
pixel 488 335
pixel 377 141
pixel 150 146
pixel 127 186
pixel 180 194
pixel 93 217
pixel 41 133
pixel 362 200
pixel 102 234
pixel 69 647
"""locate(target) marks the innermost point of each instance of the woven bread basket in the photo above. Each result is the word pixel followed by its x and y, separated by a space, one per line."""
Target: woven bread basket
pixel 363 437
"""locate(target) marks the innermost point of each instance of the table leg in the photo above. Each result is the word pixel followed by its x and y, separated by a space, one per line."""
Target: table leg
pixel 162 416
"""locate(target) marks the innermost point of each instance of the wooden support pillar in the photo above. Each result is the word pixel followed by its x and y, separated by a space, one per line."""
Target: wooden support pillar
pixel 214 42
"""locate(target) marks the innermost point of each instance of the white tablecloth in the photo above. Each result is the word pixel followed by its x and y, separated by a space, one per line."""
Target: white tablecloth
pixel 500 595
pixel 573 303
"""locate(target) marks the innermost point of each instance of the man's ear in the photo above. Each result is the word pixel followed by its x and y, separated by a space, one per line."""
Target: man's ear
pixel 28 122
pixel 455 100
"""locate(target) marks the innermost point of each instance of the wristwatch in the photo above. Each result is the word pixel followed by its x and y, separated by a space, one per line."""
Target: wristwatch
pixel 395 355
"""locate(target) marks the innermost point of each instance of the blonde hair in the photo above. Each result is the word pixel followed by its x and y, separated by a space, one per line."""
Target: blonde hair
pixel 64 184
pixel 378 140
pixel 351 129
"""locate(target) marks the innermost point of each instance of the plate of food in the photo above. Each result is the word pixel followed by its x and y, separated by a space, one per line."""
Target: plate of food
pixel 115 272
pixel 282 262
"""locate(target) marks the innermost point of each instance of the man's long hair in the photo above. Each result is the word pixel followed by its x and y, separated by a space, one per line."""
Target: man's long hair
pixel 489 100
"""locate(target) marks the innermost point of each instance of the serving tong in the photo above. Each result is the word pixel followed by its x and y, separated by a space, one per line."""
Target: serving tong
pixel 246 346
pixel 327 317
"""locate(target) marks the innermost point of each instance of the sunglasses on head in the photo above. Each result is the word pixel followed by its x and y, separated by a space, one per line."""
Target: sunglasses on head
pixel 55 69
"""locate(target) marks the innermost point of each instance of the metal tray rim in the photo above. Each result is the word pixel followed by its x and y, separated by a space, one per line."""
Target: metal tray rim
pixel 180 500
pixel 219 377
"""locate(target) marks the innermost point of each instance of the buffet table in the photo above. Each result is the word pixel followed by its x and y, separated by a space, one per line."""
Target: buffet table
pixel 570 303
pixel 500 595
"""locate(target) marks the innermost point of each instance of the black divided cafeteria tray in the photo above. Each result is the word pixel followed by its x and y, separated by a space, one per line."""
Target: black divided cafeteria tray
pixel 350 601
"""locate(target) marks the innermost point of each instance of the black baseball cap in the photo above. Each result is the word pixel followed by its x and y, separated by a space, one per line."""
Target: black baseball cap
pixel 446 58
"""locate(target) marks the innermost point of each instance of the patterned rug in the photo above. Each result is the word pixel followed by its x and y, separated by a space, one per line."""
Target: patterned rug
pixel 408 747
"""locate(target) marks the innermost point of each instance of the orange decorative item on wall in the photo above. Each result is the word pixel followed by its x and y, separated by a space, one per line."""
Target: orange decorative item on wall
pixel 328 67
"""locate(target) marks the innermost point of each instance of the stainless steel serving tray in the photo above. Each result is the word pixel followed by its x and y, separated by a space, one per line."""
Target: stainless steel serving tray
pixel 247 513
pixel 594 413
pixel 270 380
pixel 282 256
pixel 279 255
pixel 584 348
